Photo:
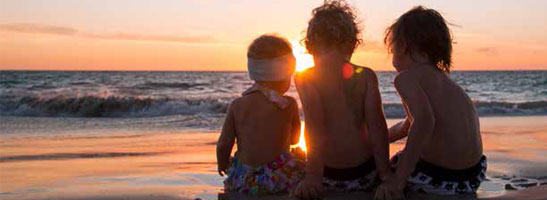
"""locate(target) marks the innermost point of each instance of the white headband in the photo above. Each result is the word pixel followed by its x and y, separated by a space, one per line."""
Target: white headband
pixel 272 69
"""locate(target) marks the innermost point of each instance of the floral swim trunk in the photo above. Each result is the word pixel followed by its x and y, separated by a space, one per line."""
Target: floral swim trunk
pixel 279 175
pixel 433 179
pixel 360 178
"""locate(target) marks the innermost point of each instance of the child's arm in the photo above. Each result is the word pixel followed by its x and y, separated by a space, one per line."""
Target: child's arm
pixel 310 187
pixel 399 130
pixel 295 123
pixel 421 129
pixel 422 122
pixel 376 124
pixel 226 142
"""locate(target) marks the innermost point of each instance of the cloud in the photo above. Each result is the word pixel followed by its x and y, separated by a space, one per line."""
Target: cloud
pixel 38 28
pixel 490 51
pixel 69 31
pixel 165 38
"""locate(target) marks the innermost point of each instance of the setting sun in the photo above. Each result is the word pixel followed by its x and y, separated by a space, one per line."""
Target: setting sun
pixel 303 59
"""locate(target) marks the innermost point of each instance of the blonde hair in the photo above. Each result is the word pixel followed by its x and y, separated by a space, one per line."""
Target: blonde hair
pixel 333 25
pixel 269 46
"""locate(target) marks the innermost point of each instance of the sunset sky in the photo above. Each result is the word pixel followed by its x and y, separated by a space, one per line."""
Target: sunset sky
pixel 214 34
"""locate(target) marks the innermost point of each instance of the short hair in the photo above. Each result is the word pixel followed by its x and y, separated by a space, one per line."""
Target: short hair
pixel 422 30
pixel 333 25
pixel 269 46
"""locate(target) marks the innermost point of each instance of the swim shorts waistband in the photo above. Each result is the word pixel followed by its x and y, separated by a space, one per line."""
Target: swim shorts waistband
pixel 345 174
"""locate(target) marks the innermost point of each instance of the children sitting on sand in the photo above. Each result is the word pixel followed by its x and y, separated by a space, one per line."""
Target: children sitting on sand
pixel 443 153
pixel 346 131
pixel 264 123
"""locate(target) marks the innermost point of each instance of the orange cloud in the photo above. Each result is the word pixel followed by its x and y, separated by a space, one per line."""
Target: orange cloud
pixel 38 28
pixel 69 31
pixel 489 51
pixel 164 38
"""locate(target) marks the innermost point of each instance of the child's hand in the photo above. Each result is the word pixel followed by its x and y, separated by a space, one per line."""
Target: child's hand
pixel 399 130
pixel 222 169
pixel 308 188
pixel 390 189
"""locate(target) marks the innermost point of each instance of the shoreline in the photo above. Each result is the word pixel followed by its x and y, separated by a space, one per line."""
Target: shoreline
pixel 133 132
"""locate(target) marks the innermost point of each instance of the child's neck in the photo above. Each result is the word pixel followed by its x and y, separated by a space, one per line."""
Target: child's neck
pixel 326 60
pixel 415 61
pixel 272 86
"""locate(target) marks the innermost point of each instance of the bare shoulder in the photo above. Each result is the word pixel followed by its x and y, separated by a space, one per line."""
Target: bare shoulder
pixel 366 72
pixel 365 75
pixel 245 103
pixel 304 79
pixel 406 78
pixel 363 70
pixel 237 102
pixel 300 77
pixel 293 104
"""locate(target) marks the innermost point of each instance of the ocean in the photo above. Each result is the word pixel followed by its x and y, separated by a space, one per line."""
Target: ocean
pixel 75 101
pixel 139 135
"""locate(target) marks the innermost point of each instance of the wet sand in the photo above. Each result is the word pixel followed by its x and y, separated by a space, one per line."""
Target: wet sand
pixel 182 165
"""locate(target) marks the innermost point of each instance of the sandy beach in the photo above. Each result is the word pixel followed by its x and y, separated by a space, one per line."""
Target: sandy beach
pixel 183 166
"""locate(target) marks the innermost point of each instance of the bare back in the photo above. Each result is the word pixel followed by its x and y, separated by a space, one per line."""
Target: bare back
pixel 344 114
pixel 456 141
pixel 263 131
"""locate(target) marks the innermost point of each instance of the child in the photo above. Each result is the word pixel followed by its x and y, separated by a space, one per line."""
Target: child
pixel 346 130
pixel 443 153
pixel 264 123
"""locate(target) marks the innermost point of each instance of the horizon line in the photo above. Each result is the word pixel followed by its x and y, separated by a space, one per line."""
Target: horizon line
pixel 74 70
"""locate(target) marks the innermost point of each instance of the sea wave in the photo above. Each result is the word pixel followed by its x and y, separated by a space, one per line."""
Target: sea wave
pixel 121 106
pixel 507 108
pixel 156 85
pixel 112 106
pixel 491 108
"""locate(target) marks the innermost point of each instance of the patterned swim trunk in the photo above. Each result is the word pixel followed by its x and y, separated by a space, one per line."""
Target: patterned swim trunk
pixel 361 178
pixel 280 175
pixel 433 179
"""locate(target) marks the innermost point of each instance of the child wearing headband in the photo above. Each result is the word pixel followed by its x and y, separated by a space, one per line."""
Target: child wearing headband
pixel 264 123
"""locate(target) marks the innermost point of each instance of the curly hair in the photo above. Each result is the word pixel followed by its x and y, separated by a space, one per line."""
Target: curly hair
pixel 425 31
pixel 333 25
pixel 269 46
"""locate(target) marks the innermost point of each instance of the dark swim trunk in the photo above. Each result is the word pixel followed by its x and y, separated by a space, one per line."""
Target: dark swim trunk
pixel 430 178
pixel 363 177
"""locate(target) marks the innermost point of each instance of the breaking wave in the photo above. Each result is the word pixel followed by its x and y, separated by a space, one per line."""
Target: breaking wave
pixel 113 106
pixel 119 106
pixel 486 109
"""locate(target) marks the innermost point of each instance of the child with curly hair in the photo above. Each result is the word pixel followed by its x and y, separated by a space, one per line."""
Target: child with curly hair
pixel 346 130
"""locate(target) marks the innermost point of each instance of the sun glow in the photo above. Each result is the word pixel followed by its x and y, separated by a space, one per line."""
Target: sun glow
pixel 303 59
pixel 301 140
